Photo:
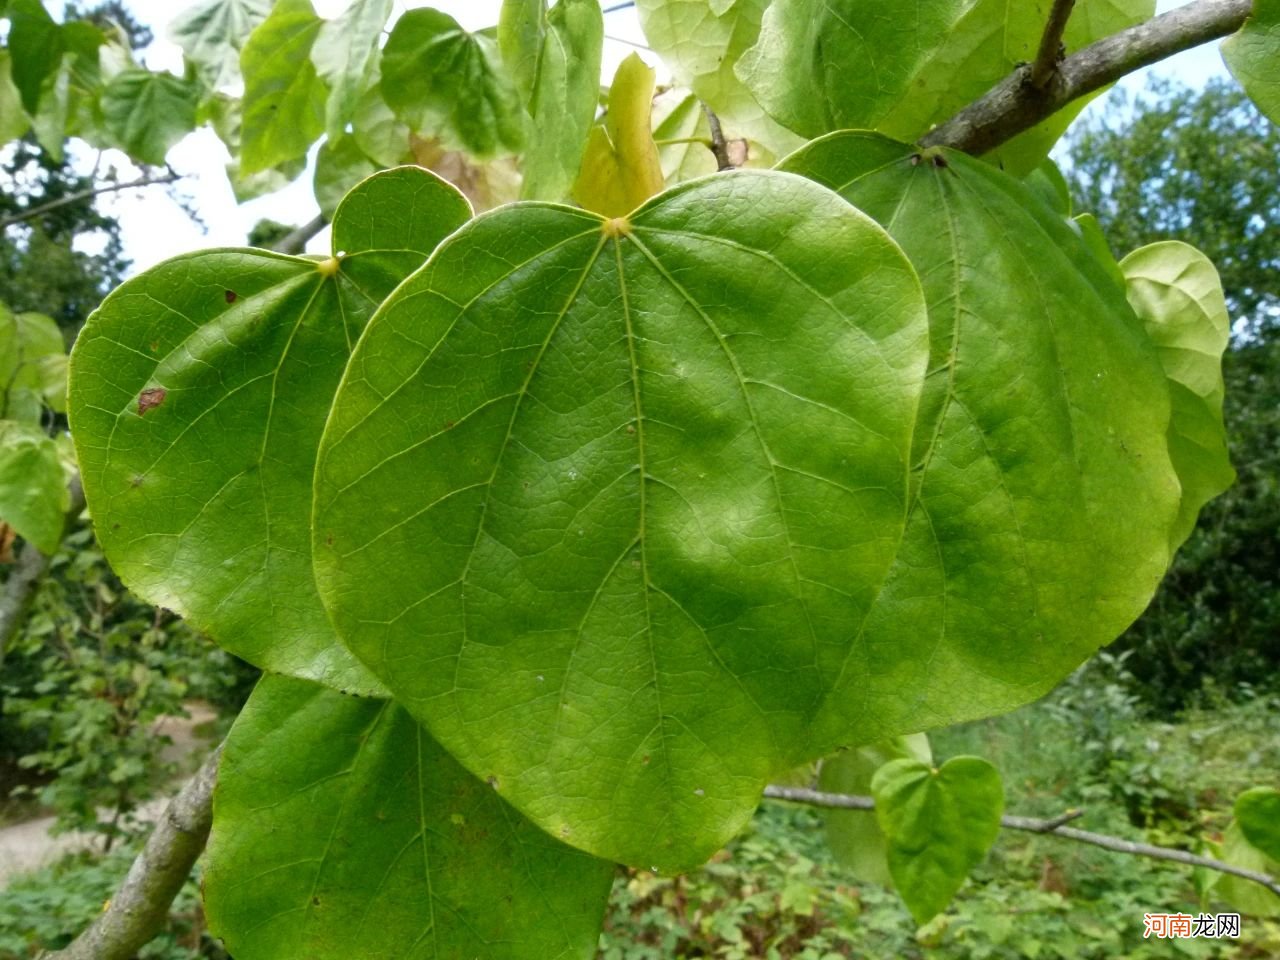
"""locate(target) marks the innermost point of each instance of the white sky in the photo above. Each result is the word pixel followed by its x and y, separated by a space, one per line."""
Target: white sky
pixel 155 228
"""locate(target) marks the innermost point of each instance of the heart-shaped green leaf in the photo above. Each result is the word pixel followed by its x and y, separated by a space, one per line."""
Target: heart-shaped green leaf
pixel 854 836
pixel 341 829
pixel 199 391
pixel 1253 57
pixel 345 55
pixel 602 501
pixel 1244 895
pixel 940 824
pixel 1258 813
pixel 148 112
pixel 1044 497
pixel 211 33
pixel 1176 292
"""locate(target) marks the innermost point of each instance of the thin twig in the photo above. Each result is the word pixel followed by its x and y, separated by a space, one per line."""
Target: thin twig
pixel 718 145
pixel 1051 49
pixel 1051 827
pixel 32 212
pixel 296 241
pixel 618 6
pixel 1015 104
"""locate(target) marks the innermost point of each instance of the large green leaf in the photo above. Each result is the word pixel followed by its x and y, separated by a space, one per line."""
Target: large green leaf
pixel 451 84
pixel 618 490
pixel 823 65
pixel 701 43
pixel 284 100
pixel 855 836
pixel 212 32
pixel 147 112
pixel 1253 57
pixel 33 487
pixel 199 390
pixel 940 824
pixel 345 56
pixel 1043 496
pixel 563 99
pixel 1257 811
pixel 36 45
pixel 1176 291
pixel 342 830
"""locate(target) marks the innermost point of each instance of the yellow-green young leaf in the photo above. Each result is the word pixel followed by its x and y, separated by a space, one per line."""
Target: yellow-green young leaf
pixel 1251 899
pixel 345 56
pixel 14 121
pixel 147 113
pixel 621 168
pixel 452 85
pixel 1253 57
pixel 1258 813
pixel 284 100
pixel 212 32
pixel 823 65
pixel 1086 224
pixel 33 486
pixel 341 830
pixel 36 45
pixel 1043 494
pixel 701 42
pixel 563 100
pixel 198 393
pixel 854 836
pixel 621 490
pixel 1176 292
pixel 340 165
pixel 940 824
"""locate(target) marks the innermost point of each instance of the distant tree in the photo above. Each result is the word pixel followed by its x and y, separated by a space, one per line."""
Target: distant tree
pixel 1200 166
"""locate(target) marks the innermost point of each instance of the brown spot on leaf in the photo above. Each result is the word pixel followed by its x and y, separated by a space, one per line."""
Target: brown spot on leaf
pixel 136 481
pixel 940 161
pixel 231 296
pixel 7 535
pixel 645 760
pixel 150 398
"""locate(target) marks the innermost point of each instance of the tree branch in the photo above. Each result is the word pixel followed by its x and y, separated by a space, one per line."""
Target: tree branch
pixel 296 241
pixel 32 212
pixel 1055 827
pixel 1051 49
pixel 719 146
pixel 1017 104
pixel 141 906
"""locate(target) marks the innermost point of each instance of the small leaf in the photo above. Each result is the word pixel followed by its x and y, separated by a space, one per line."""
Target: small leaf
pixel 564 97
pixel 678 116
pixel 363 837
pixel 1258 813
pixel 940 824
pixel 1248 897
pixel 701 43
pixel 340 165
pixel 14 121
pixel 1047 180
pixel 28 342
pixel 621 168
pixel 199 390
pixel 211 33
pixel 584 477
pixel 377 130
pixel 33 486
pixel 345 55
pixel 1253 57
pixel 1176 292
pixel 451 84
pixel 854 836
pixel 147 113
pixel 284 100
pixel 522 31
pixel 36 45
